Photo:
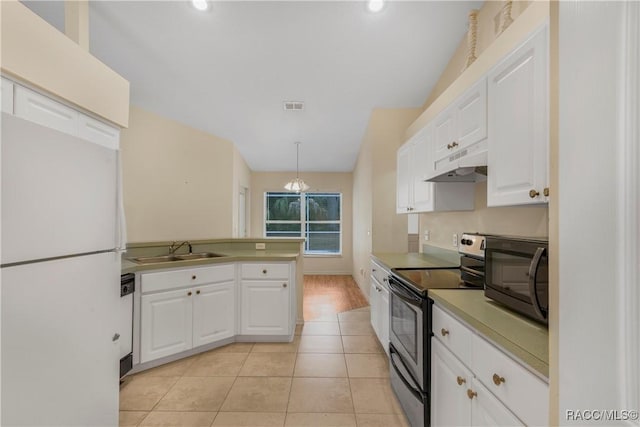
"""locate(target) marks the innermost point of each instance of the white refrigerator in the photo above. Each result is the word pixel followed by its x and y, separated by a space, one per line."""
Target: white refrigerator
pixel 60 289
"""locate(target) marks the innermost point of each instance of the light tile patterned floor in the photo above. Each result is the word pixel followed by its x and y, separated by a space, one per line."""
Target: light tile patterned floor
pixel 334 373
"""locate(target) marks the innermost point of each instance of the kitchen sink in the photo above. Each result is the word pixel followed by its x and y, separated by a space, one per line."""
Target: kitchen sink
pixel 200 255
pixel 155 259
pixel 172 258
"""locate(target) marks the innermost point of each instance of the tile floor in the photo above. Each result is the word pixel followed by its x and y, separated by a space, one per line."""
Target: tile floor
pixel 334 373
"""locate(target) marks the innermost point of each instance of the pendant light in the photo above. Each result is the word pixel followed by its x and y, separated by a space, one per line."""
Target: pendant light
pixel 297 184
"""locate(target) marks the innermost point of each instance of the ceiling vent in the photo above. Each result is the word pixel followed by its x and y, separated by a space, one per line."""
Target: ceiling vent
pixel 293 106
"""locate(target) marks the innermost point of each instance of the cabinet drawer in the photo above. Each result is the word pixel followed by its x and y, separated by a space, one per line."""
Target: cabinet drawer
pixel 521 391
pixel 453 334
pixel 163 280
pixel 265 271
pixel 379 273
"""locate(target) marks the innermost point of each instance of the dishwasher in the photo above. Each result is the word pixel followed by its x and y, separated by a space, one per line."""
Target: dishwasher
pixel 125 317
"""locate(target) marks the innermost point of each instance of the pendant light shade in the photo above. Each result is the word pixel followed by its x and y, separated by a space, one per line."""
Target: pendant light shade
pixel 297 184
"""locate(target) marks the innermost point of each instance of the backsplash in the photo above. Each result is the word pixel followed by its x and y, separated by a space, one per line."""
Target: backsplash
pixel 532 221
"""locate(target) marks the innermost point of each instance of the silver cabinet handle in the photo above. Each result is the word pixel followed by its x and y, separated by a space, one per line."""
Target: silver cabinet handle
pixel 116 337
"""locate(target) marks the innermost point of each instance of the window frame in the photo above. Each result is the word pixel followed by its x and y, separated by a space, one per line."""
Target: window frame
pixel 304 223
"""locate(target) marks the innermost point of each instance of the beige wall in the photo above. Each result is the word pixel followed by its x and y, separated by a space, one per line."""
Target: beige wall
pixel 241 180
pixel 515 220
pixel 178 181
pixel 38 54
pixel 319 181
pixel 487 34
pixel 452 83
pixel 377 228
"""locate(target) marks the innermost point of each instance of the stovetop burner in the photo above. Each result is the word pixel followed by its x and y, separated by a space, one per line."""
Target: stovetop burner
pixel 421 280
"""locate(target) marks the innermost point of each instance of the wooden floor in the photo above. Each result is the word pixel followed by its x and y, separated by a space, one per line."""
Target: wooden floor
pixel 325 296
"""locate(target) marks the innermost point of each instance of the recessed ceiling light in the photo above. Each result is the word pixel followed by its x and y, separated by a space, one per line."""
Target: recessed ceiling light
pixel 375 5
pixel 201 5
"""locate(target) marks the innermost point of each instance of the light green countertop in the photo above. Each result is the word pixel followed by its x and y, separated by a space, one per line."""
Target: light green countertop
pixel 230 255
pixel 419 260
pixel 233 250
pixel 523 338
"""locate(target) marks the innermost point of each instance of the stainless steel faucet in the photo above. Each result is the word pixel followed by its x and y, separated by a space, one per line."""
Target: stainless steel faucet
pixel 173 248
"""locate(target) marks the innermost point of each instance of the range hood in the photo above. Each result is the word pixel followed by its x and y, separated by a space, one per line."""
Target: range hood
pixel 463 166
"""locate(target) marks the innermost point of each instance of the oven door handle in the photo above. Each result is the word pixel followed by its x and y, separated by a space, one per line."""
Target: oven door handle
pixel 533 273
pixel 470 271
pixel 402 294
pixel 413 389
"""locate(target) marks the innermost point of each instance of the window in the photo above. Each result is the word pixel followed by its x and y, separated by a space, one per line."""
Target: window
pixel 314 216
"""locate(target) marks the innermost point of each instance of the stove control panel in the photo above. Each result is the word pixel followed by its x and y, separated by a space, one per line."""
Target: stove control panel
pixel 472 244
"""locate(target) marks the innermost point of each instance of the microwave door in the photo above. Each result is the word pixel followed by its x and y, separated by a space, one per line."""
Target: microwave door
pixel 533 283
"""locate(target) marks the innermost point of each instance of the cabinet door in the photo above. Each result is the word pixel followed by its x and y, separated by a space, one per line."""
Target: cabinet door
pixel 265 307
pixel 45 111
pixel 374 303
pixel 6 88
pixel 213 313
pixel 383 310
pixel 518 125
pixel 422 168
pixel 487 410
pixel 450 405
pixel 166 324
pixel 98 132
pixel 403 183
pixel 443 137
pixel 471 115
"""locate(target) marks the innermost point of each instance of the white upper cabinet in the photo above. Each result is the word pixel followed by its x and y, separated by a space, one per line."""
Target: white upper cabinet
pixel 45 111
pixel 519 125
pixel 39 108
pixel 7 96
pixel 403 176
pixel 420 167
pixel 414 194
pixel 444 136
pixel 461 130
pixel 98 132
pixel 471 115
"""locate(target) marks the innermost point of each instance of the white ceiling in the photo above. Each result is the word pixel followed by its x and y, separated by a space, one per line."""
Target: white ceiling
pixel 228 70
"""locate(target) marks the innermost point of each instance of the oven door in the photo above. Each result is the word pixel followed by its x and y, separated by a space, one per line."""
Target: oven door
pixel 406 328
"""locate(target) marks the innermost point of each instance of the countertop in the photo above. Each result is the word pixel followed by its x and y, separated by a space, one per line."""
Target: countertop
pixel 525 339
pixel 436 259
pixel 230 255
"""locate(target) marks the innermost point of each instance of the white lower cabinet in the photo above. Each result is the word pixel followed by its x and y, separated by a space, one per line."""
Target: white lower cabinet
pixel 265 307
pixel 450 405
pixel 194 312
pixel 214 313
pixel 487 410
pixel 459 399
pixel 379 304
pixel 473 383
pixel 166 324
pixel 266 298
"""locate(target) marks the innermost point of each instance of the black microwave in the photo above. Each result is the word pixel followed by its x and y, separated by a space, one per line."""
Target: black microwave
pixel 517 274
